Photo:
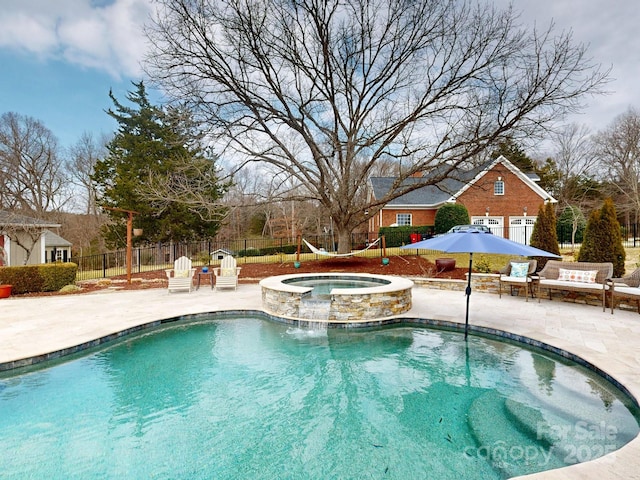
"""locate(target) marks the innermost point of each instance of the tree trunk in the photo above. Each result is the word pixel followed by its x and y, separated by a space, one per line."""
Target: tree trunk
pixel 344 239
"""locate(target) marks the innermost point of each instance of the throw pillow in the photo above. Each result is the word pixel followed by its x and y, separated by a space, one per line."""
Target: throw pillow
pixel 580 276
pixel 181 274
pixel 228 272
pixel 519 270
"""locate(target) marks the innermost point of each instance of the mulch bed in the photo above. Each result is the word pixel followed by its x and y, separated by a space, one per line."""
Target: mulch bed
pixel 407 266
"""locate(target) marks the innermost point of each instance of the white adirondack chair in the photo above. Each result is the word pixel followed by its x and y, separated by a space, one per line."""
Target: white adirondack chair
pixel 227 273
pixel 181 275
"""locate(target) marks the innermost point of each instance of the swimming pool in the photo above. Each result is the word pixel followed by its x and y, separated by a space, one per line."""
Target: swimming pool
pixel 248 398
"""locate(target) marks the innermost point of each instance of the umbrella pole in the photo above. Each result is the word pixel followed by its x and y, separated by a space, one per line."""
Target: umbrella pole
pixel 468 293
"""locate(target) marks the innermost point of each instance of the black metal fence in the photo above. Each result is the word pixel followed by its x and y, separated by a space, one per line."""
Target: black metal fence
pixel 263 250
pixel 206 252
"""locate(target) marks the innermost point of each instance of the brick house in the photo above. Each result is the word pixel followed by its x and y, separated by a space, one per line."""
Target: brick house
pixel 496 194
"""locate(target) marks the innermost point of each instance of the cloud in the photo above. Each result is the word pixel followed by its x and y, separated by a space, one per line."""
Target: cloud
pixel 607 29
pixel 103 35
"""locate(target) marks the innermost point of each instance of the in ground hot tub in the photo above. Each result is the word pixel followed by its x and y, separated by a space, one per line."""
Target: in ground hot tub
pixel 336 298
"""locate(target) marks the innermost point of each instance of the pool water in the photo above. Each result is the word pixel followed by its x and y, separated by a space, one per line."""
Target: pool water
pixel 322 286
pixel 248 398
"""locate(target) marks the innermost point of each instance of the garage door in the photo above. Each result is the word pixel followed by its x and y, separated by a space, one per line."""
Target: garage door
pixel 495 224
pixel 520 229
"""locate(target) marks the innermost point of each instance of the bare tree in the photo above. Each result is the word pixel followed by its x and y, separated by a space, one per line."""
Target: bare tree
pixel 190 183
pixel 80 165
pixel 618 151
pixel 574 155
pixel 31 175
pixel 324 89
pixel 576 167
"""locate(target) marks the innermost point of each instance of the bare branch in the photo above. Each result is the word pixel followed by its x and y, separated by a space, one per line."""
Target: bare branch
pixel 325 90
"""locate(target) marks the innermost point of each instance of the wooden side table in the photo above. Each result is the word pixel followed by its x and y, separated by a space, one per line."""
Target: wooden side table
pixel 205 274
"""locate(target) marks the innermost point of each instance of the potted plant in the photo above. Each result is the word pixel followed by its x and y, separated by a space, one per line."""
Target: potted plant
pixel 5 291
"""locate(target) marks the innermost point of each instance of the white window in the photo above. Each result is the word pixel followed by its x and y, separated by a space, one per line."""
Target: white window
pixel 58 255
pixel 498 187
pixel 403 219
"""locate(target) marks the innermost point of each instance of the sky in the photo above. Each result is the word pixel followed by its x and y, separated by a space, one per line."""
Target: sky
pixel 60 58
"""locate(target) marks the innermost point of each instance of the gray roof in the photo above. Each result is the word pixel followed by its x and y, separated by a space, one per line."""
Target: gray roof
pixel 54 240
pixel 17 220
pixel 429 195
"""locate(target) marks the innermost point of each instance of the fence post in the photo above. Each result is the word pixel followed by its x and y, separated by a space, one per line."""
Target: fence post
pixel 104 265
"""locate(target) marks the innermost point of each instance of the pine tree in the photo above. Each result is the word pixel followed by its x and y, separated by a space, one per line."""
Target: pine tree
pixel 154 143
pixel 603 239
pixel 515 154
pixel 544 235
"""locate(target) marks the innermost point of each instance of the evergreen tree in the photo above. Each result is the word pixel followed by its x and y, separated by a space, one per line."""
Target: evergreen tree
pixel 514 153
pixel 153 143
pixel 449 215
pixel 603 239
pixel 544 235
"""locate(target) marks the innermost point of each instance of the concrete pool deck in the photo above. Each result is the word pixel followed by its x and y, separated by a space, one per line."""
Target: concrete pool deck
pixel 34 326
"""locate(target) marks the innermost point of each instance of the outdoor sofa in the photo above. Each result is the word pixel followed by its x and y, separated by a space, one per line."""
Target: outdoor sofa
pixel 585 277
pixel 627 287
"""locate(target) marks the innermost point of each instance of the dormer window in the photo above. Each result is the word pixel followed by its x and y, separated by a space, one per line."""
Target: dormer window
pixel 498 187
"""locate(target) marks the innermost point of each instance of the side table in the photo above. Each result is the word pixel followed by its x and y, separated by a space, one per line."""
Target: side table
pixel 205 274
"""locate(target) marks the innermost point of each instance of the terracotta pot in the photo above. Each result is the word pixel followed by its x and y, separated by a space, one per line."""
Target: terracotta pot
pixel 5 291
pixel 445 264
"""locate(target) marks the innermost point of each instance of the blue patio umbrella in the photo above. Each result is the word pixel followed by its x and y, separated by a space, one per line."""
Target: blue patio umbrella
pixel 475 241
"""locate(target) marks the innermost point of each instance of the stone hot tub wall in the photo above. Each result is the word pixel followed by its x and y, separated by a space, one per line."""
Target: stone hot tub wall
pixel 347 304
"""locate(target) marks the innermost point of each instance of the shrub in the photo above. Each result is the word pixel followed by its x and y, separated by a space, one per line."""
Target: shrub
pixel 70 289
pixel 203 258
pixel 249 252
pixel 286 249
pixel 280 249
pixel 450 215
pixel 603 239
pixel 398 236
pixel 57 275
pixel 48 277
pixel 545 235
pixel 482 265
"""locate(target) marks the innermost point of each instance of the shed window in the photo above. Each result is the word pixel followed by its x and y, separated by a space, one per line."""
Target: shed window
pixel 498 187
